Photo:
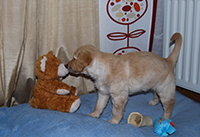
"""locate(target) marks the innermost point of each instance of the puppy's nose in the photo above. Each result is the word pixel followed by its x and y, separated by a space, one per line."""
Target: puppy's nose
pixel 66 65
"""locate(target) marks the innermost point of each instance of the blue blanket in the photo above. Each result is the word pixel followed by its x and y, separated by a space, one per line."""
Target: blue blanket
pixel 24 121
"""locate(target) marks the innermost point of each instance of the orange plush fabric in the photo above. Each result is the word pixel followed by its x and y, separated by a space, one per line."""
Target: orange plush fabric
pixel 50 92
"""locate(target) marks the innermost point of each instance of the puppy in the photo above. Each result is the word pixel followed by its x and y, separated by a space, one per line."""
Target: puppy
pixel 118 76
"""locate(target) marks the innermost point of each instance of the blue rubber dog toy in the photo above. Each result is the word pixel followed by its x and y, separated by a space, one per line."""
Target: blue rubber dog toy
pixel 163 127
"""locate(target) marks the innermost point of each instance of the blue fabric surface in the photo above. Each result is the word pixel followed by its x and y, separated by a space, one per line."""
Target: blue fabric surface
pixel 24 121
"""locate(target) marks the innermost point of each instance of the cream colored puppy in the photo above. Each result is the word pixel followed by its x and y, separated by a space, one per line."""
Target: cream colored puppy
pixel 118 76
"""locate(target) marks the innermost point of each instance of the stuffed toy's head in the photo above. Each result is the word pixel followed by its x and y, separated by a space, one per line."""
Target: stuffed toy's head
pixel 50 67
pixel 50 92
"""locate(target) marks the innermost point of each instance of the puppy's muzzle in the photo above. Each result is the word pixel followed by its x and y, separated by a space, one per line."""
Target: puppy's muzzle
pixel 70 69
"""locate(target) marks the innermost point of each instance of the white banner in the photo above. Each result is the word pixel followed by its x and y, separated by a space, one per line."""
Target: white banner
pixel 126 25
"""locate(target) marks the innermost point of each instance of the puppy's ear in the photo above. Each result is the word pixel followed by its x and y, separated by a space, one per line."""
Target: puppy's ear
pixel 83 60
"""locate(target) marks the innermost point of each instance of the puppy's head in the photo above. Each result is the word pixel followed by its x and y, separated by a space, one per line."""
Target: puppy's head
pixel 82 58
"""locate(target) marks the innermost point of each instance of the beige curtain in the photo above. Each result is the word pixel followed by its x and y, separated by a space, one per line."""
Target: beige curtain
pixel 31 28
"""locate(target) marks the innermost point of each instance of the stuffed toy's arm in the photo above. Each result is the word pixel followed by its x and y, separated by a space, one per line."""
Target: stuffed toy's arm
pixel 62 91
pixel 73 91
pixel 56 87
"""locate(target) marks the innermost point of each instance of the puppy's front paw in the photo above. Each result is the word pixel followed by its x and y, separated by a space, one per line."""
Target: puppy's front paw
pixel 63 92
pixel 113 121
pixel 93 114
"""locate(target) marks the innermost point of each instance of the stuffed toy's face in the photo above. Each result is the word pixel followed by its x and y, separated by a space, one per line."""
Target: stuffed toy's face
pixel 50 67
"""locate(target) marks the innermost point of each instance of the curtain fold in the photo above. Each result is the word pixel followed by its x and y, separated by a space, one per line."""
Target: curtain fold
pixel 2 64
pixel 31 28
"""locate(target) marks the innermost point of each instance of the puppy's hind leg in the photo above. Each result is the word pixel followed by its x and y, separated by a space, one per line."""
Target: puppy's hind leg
pixel 100 105
pixel 168 100
pixel 156 99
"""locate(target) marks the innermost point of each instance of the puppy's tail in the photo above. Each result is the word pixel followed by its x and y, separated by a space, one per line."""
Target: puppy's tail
pixel 173 57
